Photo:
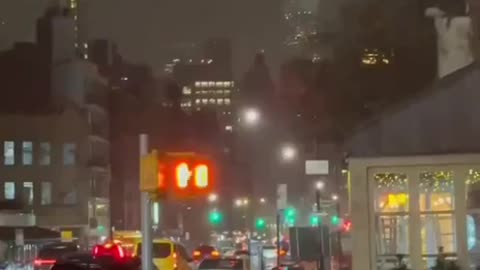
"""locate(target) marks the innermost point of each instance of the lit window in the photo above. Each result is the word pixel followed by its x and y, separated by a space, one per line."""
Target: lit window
pixel 227 92
pixel 227 101
pixel 219 101
pixel 218 84
pixel 9 153
pixel 219 92
pixel 203 92
pixel 204 84
pixel 232 84
pixel 85 45
pixel 204 100
pixel 197 101
pixel 27 153
pixel 212 101
pixel 228 128
pixel 9 190
pixel 211 83
pixel 226 84
pixel 28 193
pixel 187 90
pixel 69 154
pixel 197 84
pixel 46 193
pixel 44 158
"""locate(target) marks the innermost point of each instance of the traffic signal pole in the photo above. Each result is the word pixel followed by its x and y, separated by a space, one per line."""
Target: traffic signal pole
pixel 321 264
pixel 146 212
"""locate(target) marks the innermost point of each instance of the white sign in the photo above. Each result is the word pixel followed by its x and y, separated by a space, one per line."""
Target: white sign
pixel 281 196
pixel 316 167
pixel 19 239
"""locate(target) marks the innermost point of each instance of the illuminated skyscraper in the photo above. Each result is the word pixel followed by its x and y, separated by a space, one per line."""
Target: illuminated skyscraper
pixel 79 12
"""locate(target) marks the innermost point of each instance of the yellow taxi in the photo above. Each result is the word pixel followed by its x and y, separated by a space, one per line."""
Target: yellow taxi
pixel 167 255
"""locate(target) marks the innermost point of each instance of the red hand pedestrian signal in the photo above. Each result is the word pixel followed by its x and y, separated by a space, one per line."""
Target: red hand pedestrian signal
pixel 182 175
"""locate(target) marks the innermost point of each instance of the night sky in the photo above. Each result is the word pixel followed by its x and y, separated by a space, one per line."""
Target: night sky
pixel 145 29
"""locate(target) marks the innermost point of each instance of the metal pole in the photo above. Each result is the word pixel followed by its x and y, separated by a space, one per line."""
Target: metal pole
pixel 278 239
pixel 321 263
pixel 146 213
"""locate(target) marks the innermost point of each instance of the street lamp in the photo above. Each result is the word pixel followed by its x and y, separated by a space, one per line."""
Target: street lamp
pixel 212 198
pixel 245 202
pixel 263 200
pixel 251 116
pixel 238 202
pixel 319 185
pixel 335 197
pixel 288 152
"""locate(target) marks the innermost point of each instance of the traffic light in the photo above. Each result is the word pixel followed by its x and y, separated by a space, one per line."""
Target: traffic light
pixel 152 178
pixel 315 220
pixel 335 220
pixel 215 217
pixel 179 174
pixel 260 224
pixel 192 175
pixel 290 216
pixel 347 226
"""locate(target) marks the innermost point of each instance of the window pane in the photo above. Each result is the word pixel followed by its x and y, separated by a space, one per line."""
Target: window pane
pixel 69 153
pixel 473 217
pixel 70 198
pixel 28 193
pixel 9 190
pixel 438 231
pixel 9 152
pixel 27 153
pixel 44 158
pixel 46 193
pixel 391 192
pixel 392 235
pixel 436 191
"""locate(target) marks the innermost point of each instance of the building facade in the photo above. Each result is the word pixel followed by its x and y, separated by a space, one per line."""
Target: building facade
pixel 50 166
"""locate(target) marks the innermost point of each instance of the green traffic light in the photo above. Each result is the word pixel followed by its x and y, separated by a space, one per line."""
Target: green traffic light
pixel 290 216
pixel 315 220
pixel 335 220
pixel 260 224
pixel 215 217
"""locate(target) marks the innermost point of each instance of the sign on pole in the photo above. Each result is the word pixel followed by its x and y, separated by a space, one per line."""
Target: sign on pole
pixel 66 236
pixel 281 196
pixel 316 167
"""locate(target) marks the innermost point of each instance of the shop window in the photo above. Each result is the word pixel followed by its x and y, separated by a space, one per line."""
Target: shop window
pixel 391 203
pixel 436 195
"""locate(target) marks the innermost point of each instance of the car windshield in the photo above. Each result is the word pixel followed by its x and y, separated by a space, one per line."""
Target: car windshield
pixel 221 264
pixel 160 250
pixel 57 251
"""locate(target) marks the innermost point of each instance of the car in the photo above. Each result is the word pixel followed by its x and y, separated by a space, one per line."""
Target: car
pixel 97 260
pixel 50 253
pixel 205 251
pixel 224 264
pixel 168 255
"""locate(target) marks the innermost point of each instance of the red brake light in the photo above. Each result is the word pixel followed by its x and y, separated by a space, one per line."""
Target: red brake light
pixel 197 253
pixel 42 262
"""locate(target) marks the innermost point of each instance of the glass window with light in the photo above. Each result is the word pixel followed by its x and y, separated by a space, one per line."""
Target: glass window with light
pixel 9 153
pixel 9 190
pixel 391 205
pixel 437 204
pixel 27 153
pixel 473 215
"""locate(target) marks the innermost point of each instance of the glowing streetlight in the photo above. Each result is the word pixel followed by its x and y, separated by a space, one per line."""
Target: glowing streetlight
pixel 263 200
pixel 251 116
pixel 319 185
pixel 288 152
pixel 245 201
pixel 238 202
pixel 335 197
pixel 212 197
